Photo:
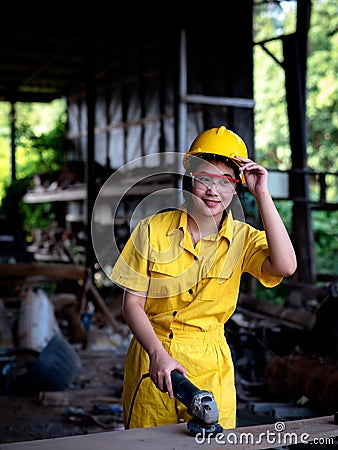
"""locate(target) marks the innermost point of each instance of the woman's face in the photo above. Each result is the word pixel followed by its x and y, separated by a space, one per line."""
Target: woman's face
pixel 213 187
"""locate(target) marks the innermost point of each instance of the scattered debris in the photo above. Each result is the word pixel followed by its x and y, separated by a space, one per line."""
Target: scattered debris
pixel 70 367
pixel 62 345
pixel 296 376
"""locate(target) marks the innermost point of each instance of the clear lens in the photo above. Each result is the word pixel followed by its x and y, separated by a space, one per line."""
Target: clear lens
pixel 204 182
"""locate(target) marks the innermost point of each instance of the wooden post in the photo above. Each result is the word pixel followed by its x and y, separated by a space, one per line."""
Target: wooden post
pixel 295 49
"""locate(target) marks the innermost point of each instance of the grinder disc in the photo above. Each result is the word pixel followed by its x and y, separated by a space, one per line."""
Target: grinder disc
pixel 196 427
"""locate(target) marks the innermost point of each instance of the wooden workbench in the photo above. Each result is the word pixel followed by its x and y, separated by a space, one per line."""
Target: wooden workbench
pixel 317 430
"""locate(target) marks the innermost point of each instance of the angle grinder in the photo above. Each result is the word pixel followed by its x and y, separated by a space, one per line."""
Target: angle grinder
pixel 200 405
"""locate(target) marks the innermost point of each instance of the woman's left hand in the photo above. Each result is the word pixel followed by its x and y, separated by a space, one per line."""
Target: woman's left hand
pixel 256 176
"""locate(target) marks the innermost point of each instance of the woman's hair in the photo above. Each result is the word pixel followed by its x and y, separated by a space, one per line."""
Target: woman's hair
pixel 195 162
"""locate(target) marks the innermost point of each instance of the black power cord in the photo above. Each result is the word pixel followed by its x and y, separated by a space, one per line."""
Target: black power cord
pixel 144 376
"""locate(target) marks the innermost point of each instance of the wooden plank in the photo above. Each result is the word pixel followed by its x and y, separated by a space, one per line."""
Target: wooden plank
pixel 278 313
pixel 52 271
pixel 77 397
pixel 79 192
pixel 171 437
pixel 34 271
pixel 61 195
pixel 100 304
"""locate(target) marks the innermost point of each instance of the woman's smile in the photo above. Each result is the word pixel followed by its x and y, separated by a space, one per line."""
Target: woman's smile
pixel 212 191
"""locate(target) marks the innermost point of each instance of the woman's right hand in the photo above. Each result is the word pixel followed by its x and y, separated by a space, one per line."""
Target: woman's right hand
pixel 161 366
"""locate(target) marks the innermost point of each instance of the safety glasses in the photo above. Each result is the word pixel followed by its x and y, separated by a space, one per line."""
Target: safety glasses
pixel 205 181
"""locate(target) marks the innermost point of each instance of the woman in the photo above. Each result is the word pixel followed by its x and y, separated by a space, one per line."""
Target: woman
pixel 181 271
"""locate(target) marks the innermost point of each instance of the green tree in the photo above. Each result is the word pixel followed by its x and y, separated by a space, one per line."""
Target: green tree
pixel 322 82
pixel 271 21
pixel 4 145
pixel 40 147
pixel 39 139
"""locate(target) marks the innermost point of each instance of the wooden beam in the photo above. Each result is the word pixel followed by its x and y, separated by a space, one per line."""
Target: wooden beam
pixel 317 430
pixel 52 271
pixel 37 273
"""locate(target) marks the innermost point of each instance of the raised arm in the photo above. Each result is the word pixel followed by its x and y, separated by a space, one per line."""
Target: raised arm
pixel 282 260
pixel 161 363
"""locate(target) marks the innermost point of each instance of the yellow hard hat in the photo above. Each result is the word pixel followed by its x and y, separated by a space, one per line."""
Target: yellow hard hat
pixel 217 141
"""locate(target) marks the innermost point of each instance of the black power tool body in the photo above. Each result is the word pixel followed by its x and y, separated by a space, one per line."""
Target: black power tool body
pixel 201 406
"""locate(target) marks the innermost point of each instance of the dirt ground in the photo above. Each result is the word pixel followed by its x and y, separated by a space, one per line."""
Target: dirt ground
pixel 91 404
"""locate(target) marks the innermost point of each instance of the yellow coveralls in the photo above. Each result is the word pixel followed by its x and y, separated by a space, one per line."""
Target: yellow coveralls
pixel 191 293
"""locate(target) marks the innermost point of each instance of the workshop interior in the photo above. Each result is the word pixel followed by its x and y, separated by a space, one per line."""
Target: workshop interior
pixel 139 82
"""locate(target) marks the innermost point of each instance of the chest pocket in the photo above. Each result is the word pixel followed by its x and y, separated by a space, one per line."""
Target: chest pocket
pixel 221 281
pixel 171 279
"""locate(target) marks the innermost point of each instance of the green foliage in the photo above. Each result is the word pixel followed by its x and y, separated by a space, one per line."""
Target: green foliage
pixel 40 151
pixel 285 211
pixel 36 154
pixel 26 216
pixel 322 84
pixel 40 138
pixel 271 122
pixel 273 19
pixel 277 295
pixel 40 147
pixel 12 205
pixel 271 136
pixel 4 145
pixel 326 241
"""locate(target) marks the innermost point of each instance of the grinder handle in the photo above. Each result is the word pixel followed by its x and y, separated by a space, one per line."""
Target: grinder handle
pixel 184 390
